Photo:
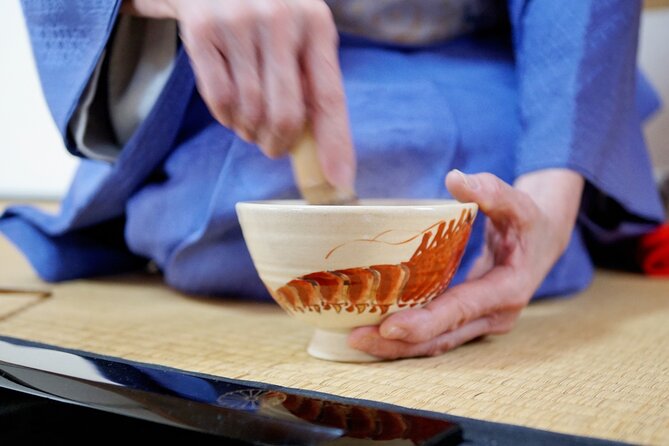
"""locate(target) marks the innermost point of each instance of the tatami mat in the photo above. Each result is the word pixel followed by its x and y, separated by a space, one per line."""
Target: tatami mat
pixel 595 364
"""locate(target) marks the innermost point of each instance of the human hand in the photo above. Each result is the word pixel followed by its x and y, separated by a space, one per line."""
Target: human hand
pixel 528 228
pixel 266 68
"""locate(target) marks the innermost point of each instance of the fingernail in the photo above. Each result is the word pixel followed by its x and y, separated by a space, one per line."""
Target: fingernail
pixel 470 182
pixel 394 332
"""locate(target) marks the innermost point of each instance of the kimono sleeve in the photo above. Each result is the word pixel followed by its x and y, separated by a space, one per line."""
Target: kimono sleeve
pixel 582 100
pixel 68 40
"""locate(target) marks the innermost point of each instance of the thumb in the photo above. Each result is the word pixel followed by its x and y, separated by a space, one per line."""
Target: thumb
pixel 497 199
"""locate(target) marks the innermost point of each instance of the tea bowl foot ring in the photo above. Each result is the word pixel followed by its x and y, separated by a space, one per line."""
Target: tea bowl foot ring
pixel 332 345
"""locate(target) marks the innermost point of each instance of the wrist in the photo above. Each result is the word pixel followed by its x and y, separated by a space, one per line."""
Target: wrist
pixel 561 188
pixel 557 193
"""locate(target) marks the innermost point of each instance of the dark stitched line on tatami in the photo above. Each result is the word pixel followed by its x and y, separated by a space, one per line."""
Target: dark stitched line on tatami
pixel 41 295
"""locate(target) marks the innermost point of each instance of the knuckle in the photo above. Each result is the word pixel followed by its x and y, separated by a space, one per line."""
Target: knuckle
pixel 505 327
pixel 319 17
pixel 500 323
pixel 221 98
pixel 222 116
pixel 331 99
pixel 427 334
pixel 516 295
pixel 221 112
pixel 274 13
pixel 438 349
pixel 466 308
pixel 494 186
pixel 202 27
pixel 287 124
pixel 423 334
pixel 218 106
pixel 251 119
pixel 239 18
pixel 491 323
pixel 316 10
pixel 432 350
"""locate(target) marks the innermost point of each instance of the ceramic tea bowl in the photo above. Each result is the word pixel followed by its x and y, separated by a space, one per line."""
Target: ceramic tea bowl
pixel 341 267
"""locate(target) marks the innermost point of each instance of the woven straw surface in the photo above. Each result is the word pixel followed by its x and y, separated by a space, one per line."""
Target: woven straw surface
pixel 595 364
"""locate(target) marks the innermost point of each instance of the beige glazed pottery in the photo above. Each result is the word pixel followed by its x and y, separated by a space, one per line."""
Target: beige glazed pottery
pixel 341 267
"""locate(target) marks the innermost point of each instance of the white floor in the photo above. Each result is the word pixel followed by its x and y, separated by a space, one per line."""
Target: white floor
pixel 34 163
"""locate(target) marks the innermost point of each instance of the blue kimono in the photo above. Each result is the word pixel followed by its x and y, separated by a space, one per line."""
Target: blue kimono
pixel 558 88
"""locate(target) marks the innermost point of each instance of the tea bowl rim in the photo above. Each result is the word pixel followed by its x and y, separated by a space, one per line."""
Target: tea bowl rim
pixel 365 206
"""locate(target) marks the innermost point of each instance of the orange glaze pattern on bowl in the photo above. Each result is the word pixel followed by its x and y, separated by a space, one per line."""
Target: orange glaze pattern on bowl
pixel 376 288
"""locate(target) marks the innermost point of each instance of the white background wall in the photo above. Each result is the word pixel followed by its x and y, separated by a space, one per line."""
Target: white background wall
pixel 34 164
pixel 654 60
pixel 33 161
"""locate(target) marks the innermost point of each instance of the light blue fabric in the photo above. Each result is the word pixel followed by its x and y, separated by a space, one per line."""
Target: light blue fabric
pixel 562 91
